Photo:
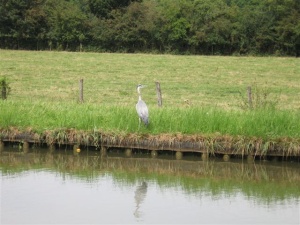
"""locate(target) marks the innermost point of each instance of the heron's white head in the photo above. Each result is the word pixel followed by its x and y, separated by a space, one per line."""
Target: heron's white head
pixel 139 86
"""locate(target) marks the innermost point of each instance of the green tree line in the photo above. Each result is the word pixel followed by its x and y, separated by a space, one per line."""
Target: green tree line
pixel 222 27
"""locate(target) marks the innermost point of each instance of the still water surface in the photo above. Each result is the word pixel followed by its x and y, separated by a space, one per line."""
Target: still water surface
pixel 62 188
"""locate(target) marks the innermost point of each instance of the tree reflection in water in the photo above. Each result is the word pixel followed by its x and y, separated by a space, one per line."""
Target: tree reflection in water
pixel 269 190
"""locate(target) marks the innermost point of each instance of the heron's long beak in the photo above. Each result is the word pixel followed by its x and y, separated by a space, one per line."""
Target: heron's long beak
pixel 141 86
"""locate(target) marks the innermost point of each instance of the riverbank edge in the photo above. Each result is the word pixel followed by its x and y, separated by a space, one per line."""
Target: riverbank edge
pixel 204 144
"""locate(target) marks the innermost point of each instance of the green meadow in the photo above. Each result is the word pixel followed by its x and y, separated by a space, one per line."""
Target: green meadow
pixel 202 95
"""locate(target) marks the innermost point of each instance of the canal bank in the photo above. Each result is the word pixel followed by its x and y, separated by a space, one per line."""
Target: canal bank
pixel 179 144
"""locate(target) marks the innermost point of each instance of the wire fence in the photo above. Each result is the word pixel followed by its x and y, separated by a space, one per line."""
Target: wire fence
pixel 81 91
pixel 124 93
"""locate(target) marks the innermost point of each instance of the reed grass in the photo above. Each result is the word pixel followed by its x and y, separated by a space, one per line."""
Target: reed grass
pixel 41 116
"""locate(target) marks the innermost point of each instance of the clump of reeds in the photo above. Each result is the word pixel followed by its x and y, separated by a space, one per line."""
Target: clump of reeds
pixel 258 98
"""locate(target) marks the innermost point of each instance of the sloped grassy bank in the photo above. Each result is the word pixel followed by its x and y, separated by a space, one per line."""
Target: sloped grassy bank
pixel 211 130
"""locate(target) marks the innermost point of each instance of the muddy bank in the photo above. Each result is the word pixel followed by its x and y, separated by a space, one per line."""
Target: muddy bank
pixel 211 145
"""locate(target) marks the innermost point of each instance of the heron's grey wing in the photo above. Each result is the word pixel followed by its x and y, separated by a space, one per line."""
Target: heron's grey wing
pixel 142 111
pixel 139 196
pixel 140 193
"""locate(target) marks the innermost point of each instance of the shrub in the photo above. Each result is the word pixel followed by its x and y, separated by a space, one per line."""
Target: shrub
pixel 258 98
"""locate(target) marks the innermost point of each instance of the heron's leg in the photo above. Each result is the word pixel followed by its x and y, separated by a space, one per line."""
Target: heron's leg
pixel 139 122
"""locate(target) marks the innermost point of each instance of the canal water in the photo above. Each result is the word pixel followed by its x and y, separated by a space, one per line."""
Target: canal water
pixel 62 187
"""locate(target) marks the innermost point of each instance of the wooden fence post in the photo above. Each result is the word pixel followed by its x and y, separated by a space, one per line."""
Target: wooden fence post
pixel 3 93
pixel 158 92
pixel 81 90
pixel 249 91
pixel 1 146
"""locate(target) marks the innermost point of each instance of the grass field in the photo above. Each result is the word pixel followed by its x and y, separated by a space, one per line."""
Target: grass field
pixel 201 94
pixel 112 78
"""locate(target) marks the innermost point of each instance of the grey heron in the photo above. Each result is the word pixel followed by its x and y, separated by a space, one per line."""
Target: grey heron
pixel 141 107
pixel 139 197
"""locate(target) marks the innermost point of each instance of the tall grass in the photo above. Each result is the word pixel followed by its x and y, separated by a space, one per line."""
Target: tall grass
pixel 40 116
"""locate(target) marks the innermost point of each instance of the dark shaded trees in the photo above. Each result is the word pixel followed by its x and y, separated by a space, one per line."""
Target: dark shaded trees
pixel 103 8
pixel 127 29
pixel 173 26
pixel 211 27
pixel 22 23
pixel 67 25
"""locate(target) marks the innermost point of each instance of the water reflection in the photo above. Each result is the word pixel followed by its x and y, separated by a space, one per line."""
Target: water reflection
pixel 85 188
pixel 139 197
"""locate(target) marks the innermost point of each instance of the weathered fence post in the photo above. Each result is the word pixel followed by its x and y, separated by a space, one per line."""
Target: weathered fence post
pixel 1 146
pixel 204 156
pixel 51 148
pixel 178 155
pixel 249 91
pixel 3 93
pixel 128 152
pixel 103 151
pixel 158 92
pixel 25 147
pixel 4 87
pixel 81 90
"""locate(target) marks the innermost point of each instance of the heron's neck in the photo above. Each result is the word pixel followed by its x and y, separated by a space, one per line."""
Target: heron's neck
pixel 140 94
